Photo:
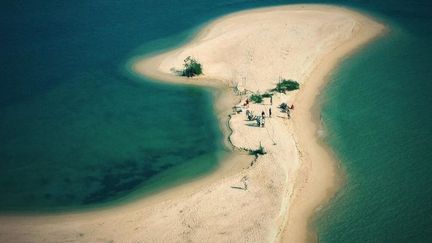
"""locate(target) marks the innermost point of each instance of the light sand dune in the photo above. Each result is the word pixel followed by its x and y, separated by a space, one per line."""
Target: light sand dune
pixel 250 50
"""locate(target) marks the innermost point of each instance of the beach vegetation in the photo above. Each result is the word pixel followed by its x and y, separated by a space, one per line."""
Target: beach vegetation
pixel 256 98
pixel 283 106
pixel 287 85
pixel 267 95
pixel 259 151
pixel 191 67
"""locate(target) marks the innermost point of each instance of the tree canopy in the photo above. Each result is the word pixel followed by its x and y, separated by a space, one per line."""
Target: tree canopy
pixel 287 85
pixel 191 67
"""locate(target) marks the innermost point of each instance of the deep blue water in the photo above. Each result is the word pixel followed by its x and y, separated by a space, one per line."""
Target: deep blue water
pixel 76 130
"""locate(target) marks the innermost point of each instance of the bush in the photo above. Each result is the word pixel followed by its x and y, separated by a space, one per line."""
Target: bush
pixel 283 106
pixel 191 67
pixel 287 85
pixel 259 151
pixel 256 98
pixel 267 95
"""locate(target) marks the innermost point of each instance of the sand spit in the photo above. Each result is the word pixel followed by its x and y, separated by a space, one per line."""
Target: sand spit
pixel 250 50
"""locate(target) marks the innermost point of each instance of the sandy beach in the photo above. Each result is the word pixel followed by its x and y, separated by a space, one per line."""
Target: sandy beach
pixel 247 51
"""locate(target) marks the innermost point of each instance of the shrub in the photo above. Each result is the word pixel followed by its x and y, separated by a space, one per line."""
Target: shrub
pixel 283 106
pixel 191 67
pixel 287 85
pixel 256 98
pixel 267 95
pixel 259 151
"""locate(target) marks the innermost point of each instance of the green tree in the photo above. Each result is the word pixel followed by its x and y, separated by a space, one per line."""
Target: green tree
pixel 256 98
pixel 191 67
pixel 287 85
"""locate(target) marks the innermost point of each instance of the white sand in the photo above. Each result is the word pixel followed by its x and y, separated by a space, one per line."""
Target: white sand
pixel 251 50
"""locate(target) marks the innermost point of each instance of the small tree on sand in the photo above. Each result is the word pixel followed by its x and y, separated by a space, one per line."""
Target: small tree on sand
pixel 256 98
pixel 191 67
pixel 259 151
pixel 287 85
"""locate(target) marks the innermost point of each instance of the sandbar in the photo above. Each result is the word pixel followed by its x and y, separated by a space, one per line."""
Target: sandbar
pixel 241 53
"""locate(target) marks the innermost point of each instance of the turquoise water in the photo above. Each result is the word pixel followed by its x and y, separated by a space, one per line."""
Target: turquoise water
pixel 377 111
pixel 77 130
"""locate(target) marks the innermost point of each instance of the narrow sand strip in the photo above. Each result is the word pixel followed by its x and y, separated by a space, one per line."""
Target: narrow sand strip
pixel 251 50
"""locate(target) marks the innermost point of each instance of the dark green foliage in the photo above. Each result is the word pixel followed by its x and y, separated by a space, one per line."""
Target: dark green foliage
pixel 287 85
pixel 256 98
pixel 267 95
pixel 191 67
pixel 283 106
pixel 259 151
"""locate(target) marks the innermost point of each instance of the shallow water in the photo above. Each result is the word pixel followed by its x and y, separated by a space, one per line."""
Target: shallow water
pixel 376 109
pixel 76 130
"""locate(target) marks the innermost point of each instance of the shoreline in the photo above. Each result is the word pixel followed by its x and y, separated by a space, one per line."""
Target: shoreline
pixel 308 182
pixel 289 200
pixel 301 220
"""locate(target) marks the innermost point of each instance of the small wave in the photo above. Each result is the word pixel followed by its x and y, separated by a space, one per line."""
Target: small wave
pixel 321 133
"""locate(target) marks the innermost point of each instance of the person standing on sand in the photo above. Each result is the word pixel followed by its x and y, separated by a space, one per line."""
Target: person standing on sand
pixel 263 114
pixel 288 113
pixel 270 112
pixel 271 100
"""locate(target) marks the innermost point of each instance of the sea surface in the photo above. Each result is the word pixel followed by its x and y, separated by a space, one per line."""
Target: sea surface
pixel 78 130
pixel 377 110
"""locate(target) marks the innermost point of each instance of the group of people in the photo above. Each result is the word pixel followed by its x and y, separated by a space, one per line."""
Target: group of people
pixel 261 119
